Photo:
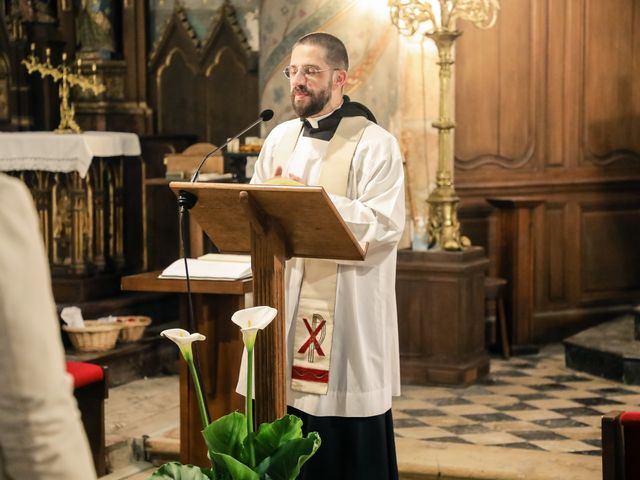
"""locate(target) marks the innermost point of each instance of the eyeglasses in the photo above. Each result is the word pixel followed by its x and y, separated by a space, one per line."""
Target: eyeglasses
pixel 309 71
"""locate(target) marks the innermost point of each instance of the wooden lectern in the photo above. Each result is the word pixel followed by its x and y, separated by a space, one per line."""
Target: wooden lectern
pixel 273 223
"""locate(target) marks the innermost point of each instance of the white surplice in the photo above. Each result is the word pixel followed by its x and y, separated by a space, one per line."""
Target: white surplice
pixel 365 369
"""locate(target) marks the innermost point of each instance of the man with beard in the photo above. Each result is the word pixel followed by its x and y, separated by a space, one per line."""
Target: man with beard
pixel 342 335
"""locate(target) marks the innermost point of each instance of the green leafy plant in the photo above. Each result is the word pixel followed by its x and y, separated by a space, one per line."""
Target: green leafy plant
pixel 276 451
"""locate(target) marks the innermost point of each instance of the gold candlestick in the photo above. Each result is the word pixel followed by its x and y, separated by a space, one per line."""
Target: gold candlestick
pixel 411 16
pixel 67 79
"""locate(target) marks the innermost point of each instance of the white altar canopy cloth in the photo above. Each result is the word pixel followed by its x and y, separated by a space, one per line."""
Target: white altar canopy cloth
pixel 54 152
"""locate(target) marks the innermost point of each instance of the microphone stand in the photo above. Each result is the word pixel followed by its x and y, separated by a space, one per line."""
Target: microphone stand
pixel 186 201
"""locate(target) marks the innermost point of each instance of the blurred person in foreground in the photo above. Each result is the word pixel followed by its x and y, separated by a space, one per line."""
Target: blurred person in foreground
pixel 41 435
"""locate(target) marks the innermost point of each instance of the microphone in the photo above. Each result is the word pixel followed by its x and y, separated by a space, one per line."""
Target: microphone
pixel 265 116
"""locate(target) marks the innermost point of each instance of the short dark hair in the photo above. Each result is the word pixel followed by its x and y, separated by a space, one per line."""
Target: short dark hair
pixel 336 51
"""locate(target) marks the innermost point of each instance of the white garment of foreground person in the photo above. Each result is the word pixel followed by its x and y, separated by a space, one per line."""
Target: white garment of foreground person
pixel 41 436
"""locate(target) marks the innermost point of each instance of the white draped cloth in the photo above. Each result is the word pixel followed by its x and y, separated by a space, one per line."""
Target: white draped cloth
pixel 365 370
pixel 69 152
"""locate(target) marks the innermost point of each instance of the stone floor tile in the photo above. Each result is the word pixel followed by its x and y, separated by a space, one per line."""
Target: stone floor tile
pixel 423 433
pixel 511 389
pixel 564 445
pixel 407 403
pixel 493 400
pixel 467 409
pixel 446 421
pixel 571 394
pixel 553 403
pixel 581 433
pixel 491 438
pixel 531 415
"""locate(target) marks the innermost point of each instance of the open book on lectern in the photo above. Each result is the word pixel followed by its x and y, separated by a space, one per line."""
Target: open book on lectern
pixel 310 223
pixel 212 266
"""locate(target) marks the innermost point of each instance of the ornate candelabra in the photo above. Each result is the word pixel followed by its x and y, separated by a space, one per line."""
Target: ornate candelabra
pixel 63 73
pixel 411 16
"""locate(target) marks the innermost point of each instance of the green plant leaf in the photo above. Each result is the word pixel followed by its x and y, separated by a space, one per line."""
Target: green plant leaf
pixel 230 468
pixel 286 462
pixel 226 434
pixel 177 471
pixel 271 436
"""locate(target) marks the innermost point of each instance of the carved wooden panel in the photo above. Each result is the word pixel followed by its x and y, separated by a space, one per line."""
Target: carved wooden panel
pixel 179 105
pixel 497 82
pixel 609 250
pixel 231 93
pixel 557 244
pixel 553 84
pixel 611 117
pixel 209 88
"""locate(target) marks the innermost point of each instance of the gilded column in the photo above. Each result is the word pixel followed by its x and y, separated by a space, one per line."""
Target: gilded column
pixel 99 196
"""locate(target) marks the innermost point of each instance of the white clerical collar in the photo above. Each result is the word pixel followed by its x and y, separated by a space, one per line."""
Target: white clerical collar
pixel 313 121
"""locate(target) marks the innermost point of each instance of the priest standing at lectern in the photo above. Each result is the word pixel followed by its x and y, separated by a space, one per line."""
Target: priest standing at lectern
pixel 342 334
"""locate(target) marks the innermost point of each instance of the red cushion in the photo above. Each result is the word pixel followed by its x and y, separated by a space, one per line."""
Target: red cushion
pixel 630 422
pixel 84 373
pixel 627 418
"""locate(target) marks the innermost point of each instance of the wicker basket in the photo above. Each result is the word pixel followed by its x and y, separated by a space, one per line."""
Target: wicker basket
pixel 94 336
pixel 133 327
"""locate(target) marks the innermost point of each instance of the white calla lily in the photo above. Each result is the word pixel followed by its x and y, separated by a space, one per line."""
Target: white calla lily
pixel 250 320
pixel 183 339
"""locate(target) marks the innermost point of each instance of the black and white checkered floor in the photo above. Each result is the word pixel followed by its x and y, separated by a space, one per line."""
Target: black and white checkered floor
pixel 528 402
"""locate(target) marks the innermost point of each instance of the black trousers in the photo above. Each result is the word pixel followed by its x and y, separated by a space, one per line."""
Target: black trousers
pixel 354 448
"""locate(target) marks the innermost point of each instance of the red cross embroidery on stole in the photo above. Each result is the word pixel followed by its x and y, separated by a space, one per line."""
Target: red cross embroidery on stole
pixel 313 337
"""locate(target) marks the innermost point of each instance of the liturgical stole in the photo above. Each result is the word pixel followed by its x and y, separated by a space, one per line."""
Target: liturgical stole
pixel 316 307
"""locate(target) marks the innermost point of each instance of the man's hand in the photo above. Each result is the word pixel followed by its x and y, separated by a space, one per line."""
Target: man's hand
pixel 278 180
pixel 296 178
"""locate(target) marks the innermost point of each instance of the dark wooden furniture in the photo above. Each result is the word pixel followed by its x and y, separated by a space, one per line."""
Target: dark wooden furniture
pixel 214 79
pixel 441 322
pixel 620 443
pixel 220 354
pixel 514 260
pixel 495 290
pixel 90 390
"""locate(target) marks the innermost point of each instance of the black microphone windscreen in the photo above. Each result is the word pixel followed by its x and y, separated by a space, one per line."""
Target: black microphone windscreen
pixel 266 115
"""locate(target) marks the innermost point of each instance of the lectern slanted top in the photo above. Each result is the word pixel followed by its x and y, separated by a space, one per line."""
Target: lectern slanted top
pixel 273 223
pixel 311 224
